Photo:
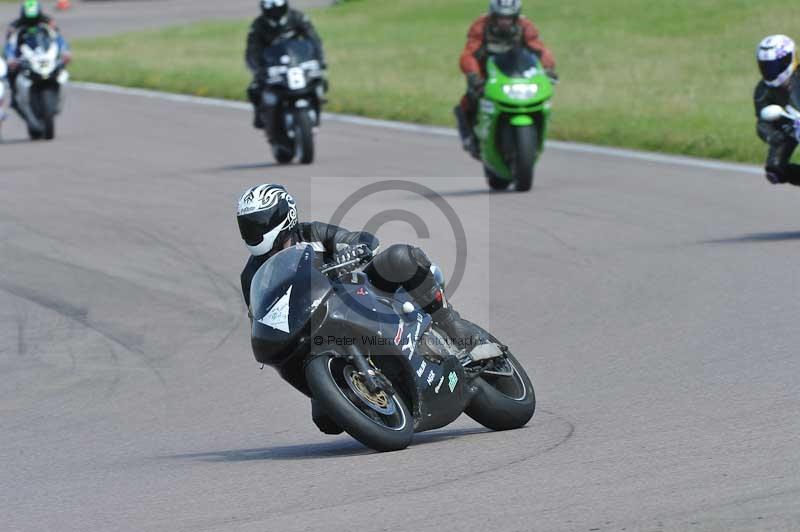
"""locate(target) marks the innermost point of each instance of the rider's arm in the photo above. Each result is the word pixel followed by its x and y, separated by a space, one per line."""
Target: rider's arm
pixel 531 36
pixel 306 28
pixel 255 47
pixel 332 237
pixel 469 62
pixel 769 132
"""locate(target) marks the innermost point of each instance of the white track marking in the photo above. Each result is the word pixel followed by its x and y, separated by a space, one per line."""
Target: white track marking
pixel 433 130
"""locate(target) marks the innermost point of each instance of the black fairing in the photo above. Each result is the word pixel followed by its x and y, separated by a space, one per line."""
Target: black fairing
pixel 517 63
pixel 337 317
pixel 297 51
pixel 293 54
pixel 415 362
pixel 282 323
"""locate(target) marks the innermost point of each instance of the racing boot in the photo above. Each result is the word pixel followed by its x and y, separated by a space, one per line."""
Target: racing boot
pixel 258 122
pixel 459 331
pixel 465 131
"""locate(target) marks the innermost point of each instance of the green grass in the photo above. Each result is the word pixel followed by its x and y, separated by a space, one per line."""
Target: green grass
pixel 667 76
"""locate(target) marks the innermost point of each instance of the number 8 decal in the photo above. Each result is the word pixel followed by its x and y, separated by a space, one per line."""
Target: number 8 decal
pixel 296 78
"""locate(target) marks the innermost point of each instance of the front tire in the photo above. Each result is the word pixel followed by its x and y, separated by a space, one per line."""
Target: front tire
pixel 383 423
pixel 503 403
pixel 49 108
pixel 524 159
pixel 304 138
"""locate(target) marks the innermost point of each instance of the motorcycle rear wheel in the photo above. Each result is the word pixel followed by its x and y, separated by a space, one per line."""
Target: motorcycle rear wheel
pixel 392 429
pixel 503 403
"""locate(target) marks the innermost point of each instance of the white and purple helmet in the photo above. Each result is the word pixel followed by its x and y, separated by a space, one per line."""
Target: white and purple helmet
pixel 776 59
pixel 266 215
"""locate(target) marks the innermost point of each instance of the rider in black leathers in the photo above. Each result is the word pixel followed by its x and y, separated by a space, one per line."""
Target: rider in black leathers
pixel 277 22
pixel 267 218
pixel 780 85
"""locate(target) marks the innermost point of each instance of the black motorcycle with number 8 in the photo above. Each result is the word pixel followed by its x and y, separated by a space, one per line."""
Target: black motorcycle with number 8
pixel 373 362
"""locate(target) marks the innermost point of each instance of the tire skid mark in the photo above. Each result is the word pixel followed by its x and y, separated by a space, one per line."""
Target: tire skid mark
pixel 569 433
pixel 213 277
pixel 80 316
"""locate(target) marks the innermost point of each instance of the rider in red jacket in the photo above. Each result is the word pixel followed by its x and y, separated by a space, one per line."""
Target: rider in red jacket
pixel 501 30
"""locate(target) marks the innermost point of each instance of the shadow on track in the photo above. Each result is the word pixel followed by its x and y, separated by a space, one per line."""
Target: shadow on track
pixel 757 238
pixel 20 140
pixel 470 192
pixel 244 167
pixel 305 451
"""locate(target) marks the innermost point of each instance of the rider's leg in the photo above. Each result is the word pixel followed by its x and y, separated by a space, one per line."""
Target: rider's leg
pixel 408 267
pixel 466 114
pixel 778 167
pixel 254 95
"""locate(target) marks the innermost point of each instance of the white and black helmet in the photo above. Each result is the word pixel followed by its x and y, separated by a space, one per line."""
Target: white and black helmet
pixel 777 59
pixel 266 215
pixel 505 8
pixel 276 11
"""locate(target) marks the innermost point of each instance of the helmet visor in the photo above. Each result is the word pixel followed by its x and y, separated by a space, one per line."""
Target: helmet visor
pixel 276 12
pixel 770 70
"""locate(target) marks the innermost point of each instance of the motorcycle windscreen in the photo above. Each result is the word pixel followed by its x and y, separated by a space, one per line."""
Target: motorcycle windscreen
pixel 517 63
pixel 284 294
pixel 290 53
pixel 36 38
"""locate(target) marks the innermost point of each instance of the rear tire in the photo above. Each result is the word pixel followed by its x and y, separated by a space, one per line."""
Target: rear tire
pixel 304 138
pixel 327 377
pixel 503 403
pixel 522 164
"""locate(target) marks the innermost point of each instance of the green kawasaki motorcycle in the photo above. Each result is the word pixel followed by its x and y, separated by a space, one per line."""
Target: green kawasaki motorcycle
pixel 513 117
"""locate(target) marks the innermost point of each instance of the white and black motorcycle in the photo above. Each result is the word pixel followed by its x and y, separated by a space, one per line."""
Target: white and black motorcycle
pixel 42 73
pixel 295 87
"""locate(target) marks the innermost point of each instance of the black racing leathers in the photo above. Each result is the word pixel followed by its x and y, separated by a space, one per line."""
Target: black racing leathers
pixel 263 35
pixel 778 135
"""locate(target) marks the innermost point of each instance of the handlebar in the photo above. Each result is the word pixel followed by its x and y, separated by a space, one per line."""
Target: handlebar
pixel 334 266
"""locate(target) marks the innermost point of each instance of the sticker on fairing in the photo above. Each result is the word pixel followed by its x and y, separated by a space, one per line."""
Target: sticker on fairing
pixel 278 316
pixel 452 380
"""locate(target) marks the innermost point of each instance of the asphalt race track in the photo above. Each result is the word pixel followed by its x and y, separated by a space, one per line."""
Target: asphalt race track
pixel 655 306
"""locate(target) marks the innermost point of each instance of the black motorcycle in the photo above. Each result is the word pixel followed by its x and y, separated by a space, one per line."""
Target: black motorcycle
pixel 373 363
pixel 295 76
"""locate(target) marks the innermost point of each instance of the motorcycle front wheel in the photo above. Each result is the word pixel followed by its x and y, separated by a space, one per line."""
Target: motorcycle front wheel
pixel 380 421
pixel 522 165
pixel 304 137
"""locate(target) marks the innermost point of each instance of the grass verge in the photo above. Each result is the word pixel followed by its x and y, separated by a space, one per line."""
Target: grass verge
pixel 669 76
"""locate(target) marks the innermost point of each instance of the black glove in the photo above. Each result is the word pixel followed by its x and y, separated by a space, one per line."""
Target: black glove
pixel 552 75
pixel 358 254
pixel 789 129
pixel 475 84
pixel 777 137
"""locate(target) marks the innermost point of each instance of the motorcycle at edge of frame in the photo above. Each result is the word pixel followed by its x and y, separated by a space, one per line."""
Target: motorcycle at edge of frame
pixel 37 88
pixel 373 363
pixel 513 118
pixel 295 85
